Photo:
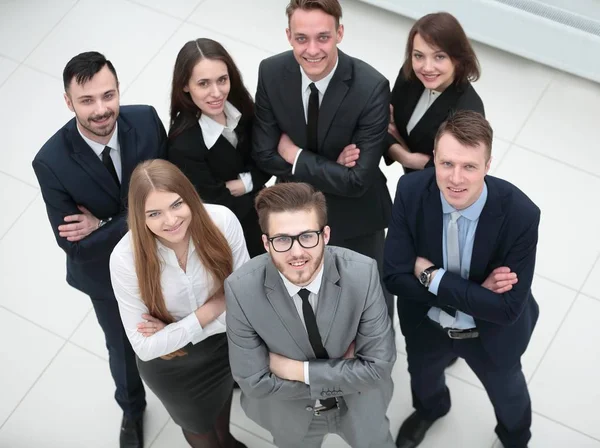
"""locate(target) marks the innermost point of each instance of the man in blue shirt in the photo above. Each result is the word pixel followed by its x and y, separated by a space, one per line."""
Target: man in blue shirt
pixel 460 256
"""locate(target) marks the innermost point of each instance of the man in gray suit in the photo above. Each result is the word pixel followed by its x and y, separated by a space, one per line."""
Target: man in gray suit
pixel 321 117
pixel 310 341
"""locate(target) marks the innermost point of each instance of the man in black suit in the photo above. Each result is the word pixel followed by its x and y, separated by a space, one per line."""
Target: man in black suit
pixel 321 118
pixel 460 255
pixel 84 172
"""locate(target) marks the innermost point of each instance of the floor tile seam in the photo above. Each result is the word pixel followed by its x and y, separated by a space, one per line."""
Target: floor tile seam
pixel 41 71
pixel 4 307
pixel 589 274
pixel 58 352
pixel 6 232
pixel 12 176
pixel 551 280
pixel 535 106
pixel 158 11
pixel 229 36
pixel 564 425
pixel 87 350
pixel 562 162
pixel 462 380
pixel 270 442
pixel 159 433
pixel 147 64
pixel 12 72
pixel 56 25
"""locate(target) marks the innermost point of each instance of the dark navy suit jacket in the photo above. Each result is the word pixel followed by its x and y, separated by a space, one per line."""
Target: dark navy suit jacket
pixel 506 235
pixel 71 174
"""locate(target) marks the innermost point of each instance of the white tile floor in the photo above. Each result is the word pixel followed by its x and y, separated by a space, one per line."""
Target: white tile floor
pixel 55 385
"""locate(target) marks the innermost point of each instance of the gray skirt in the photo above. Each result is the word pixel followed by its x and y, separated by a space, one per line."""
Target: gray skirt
pixel 193 388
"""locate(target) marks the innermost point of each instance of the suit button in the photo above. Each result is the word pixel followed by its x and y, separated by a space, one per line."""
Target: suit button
pixel 309 408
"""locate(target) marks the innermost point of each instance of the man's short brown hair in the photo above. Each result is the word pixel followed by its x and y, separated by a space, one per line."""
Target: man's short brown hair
pixel 470 128
pixel 289 197
pixel 330 7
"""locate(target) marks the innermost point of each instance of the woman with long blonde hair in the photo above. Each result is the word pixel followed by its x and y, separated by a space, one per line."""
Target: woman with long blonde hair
pixel 167 273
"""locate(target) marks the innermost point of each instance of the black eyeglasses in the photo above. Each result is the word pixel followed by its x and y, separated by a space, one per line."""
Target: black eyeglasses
pixel 307 240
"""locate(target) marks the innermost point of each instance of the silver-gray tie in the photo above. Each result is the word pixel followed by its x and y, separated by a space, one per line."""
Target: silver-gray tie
pixel 453 247
pixel 452 252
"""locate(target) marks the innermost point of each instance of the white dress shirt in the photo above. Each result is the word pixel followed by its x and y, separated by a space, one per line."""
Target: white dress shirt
pixel 115 148
pixel 212 130
pixel 321 86
pixel 427 98
pixel 183 292
pixel 313 299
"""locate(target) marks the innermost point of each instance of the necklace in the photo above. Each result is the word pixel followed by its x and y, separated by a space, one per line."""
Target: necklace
pixel 182 261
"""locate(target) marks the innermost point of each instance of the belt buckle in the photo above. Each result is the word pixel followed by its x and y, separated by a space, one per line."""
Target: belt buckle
pixel 462 334
pixel 319 409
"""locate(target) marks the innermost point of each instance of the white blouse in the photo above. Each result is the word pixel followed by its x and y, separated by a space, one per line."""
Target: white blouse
pixel 425 101
pixel 183 292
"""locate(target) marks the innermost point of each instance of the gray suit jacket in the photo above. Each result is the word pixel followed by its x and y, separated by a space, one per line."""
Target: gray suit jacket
pixel 355 109
pixel 262 318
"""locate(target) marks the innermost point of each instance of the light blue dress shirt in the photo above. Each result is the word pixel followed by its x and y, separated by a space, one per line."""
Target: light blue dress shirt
pixel 467 225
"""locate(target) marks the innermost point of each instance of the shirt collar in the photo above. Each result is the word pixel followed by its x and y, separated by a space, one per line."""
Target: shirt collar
pixel 212 130
pixel 99 147
pixel 321 84
pixel 313 286
pixel 473 211
pixel 162 248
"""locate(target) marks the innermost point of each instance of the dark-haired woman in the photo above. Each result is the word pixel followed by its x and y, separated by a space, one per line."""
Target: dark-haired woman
pixel 210 134
pixel 167 274
pixel 434 81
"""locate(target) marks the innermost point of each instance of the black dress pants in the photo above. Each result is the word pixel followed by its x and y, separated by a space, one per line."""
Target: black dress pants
pixel 130 393
pixel 429 352
pixel 372 246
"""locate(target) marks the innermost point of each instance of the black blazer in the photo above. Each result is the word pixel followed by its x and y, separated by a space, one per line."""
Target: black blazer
pixel 208 169
pixel 71 174
pixel 405 96
pixel 506 235
pixel 355 109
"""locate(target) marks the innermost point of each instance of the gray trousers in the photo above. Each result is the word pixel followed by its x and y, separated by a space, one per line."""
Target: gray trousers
pixel 329 422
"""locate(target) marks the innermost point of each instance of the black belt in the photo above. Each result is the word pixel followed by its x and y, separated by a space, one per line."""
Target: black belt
pixel 455 333
pixel 333 404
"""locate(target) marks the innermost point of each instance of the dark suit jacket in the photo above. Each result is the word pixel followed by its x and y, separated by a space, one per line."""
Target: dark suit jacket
pixel 355 109
pixel 71 174
pixel 506 235
pixel 405 96
pixel 208 169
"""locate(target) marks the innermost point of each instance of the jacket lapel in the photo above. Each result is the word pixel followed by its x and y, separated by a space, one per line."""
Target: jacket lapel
pixel 411 96
pixel 91 163
pixel 129 154
pixel 329 296
pixel 437 113
pixel 291 93
pixel 334 95
pixel 284 307
pixel 432 221
pixel 486 235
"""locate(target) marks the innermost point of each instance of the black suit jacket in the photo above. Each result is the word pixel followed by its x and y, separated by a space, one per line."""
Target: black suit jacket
pixel 354 109
pixel 506 235
pixel 208 169
pixel 405 96
pixel 71 174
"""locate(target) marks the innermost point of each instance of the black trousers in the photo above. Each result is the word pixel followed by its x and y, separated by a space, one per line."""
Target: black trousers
pixel 130 393
pixel 430 351
pixel 372 246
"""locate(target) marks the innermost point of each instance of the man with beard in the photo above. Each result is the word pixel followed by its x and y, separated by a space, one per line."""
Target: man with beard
pixel 83 172
pixel 310 341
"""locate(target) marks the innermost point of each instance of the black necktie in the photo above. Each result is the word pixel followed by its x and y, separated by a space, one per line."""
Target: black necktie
pixel 312 118
pixel 110 166
pixel 313 335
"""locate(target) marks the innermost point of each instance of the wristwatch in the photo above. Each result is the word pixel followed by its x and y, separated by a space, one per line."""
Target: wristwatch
pixel 425 276
pixel 103 222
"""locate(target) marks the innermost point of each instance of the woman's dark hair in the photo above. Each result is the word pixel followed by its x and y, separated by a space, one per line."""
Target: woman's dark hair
pixel 443 31
pixel 84 66
pixel 184 113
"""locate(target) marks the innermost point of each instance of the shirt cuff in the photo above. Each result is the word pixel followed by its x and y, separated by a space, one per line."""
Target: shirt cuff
pixel 296 161
pixel 246 178
pixel 435 284
pixel 306 379
pixel 191 325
